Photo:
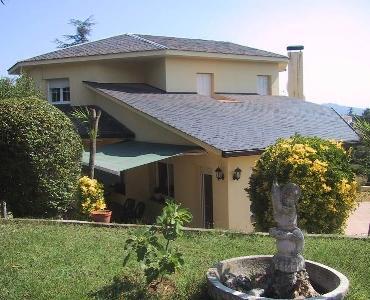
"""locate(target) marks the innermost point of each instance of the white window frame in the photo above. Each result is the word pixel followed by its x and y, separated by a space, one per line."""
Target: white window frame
pixel 58 83
pixel 168 177
pixel 268 92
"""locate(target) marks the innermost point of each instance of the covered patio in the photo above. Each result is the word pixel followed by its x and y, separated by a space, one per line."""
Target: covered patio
pixel 138 176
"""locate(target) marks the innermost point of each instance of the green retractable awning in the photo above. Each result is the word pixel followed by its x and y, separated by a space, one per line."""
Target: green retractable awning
pixel 118 157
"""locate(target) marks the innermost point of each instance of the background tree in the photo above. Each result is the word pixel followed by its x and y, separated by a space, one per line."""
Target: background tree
pixel 90 117
pixel 366 114
pixel 83 31
pixel 361 153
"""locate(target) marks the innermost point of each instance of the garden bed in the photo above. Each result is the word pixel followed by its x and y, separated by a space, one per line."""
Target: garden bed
pixel 60 261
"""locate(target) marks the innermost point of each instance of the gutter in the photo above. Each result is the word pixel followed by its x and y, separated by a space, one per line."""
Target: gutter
pixel 236 153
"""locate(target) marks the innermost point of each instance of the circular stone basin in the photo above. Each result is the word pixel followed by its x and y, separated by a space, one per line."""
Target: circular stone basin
pixel 330 283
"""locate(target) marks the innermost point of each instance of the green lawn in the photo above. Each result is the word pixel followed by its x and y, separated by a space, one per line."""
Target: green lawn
pixel 80 262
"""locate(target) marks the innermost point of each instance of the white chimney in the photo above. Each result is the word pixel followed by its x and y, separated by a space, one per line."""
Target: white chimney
pixel 295 71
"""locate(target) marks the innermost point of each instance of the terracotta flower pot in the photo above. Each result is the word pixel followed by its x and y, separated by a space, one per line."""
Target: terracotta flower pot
pixel 102 216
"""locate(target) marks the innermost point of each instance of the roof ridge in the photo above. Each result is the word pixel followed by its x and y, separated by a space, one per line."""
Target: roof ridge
pixel 147 41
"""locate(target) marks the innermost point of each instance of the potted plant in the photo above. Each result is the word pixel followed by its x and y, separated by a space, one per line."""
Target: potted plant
pixel 91 194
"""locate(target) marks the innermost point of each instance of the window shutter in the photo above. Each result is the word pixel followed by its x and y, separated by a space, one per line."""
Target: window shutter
pixel 204 84
pixel 263 85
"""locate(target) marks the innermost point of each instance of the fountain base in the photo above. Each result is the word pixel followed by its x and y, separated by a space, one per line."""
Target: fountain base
pixel 255 275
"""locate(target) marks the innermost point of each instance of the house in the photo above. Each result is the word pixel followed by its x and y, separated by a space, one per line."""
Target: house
pixel 195 116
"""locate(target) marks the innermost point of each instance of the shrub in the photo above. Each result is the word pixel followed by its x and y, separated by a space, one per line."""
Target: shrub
pixel 20 87
pixel 321 168
pixel 158 259
pixel 40 154
pixel 91 195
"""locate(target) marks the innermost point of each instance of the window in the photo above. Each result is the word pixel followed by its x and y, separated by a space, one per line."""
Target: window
pixel 55 94
pixel 263 85
pixel 165 179
pixel 59 91
pixel 204 84
pixel 66 94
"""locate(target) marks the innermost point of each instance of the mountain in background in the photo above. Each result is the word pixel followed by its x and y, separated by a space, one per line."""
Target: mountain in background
pixel 343 110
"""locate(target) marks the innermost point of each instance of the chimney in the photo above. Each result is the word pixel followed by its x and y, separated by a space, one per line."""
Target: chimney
pixel 295 72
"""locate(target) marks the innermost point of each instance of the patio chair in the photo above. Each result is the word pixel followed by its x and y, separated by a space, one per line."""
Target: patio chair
pixel 129 210
pixel 139 210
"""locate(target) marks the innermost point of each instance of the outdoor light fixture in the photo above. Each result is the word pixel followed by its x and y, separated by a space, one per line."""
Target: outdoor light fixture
pixel 219 174
pixel 237 173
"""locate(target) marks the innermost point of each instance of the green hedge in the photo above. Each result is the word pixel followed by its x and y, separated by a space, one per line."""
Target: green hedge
pixel 321 168
pixel 40 158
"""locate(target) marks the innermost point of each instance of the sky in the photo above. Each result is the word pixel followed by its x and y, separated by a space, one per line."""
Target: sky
pixel 335 34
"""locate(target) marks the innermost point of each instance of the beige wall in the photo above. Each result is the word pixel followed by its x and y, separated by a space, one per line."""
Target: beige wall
pixel 104 71
pixel 231 205
pixel 229 76
pixel 156 73
pixel 188 171
pixel 173 74
pixel 238 199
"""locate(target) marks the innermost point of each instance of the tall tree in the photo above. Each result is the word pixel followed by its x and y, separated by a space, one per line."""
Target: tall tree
pixel 90 116
pixel 83 31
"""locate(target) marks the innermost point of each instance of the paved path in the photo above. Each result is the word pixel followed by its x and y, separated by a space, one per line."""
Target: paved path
pixel 359 222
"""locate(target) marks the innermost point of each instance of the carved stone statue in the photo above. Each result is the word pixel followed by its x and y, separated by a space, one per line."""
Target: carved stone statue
pixel 288 263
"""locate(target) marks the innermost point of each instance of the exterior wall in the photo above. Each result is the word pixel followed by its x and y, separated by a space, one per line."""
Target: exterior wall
pixel 231 205
pixel 173 74
pixel 238 199
pixel 229 76
pixel 104 71
pixel 187 173
pixel 145 130
pixel 156 73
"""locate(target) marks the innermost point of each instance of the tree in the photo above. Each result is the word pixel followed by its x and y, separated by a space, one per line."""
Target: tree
pixel 18 88
pixel 40 158
pixel 366 114
pixel 83 31
pixel 363 128
pixel 90 117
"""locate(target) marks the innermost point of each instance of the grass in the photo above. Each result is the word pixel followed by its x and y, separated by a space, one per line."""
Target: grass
pixel 81 262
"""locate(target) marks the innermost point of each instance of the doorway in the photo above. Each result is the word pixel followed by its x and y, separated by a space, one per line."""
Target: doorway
pixel 207 200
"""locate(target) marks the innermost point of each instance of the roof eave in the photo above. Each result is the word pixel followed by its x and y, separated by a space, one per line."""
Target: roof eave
pixel 15 69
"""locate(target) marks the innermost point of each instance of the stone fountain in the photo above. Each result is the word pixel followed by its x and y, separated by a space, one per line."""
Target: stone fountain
pixel 286 275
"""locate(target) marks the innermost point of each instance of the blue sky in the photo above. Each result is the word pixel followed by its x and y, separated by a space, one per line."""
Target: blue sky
pixel 336 34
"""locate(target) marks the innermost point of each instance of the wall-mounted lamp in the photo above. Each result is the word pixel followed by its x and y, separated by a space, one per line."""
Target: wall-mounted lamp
pixel 237 173
pixel 219 174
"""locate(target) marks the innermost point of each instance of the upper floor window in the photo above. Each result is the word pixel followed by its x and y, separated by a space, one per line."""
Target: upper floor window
pixel 58 91
pixel 263 85
pixel 205 84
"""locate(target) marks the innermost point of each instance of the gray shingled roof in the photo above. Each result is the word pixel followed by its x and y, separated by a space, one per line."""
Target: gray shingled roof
pixel 248 123
pixel 136 43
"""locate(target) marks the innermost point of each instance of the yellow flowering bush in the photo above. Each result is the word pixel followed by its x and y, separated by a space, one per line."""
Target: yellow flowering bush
pixel 321 168
pixel 91 195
